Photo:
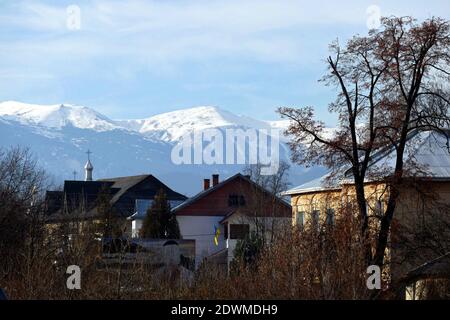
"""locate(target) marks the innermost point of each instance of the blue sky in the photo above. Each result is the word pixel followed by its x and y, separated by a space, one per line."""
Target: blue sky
pixel 134 59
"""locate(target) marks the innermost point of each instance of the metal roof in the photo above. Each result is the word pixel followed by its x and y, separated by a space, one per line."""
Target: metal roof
pixel 427 155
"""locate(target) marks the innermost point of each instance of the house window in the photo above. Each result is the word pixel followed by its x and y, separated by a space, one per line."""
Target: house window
pixel 330 217
pixel 315 219
pixel 235 200
pixel 300 219
pixel 239 231
pixel 379 208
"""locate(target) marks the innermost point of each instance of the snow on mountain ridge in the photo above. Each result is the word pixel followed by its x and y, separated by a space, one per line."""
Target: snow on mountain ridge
pixel 166 127
pixel 56 116
pixel 171 126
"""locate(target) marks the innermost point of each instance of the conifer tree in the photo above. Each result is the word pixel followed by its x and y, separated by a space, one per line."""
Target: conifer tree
pixel 159 222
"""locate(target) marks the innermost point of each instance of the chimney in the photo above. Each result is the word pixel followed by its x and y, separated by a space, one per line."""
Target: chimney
pixel 205 184
pixel 215 179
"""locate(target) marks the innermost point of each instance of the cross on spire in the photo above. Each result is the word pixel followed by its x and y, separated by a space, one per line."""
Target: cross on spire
pixel 88 167
pixel 74 174
pixel 89 152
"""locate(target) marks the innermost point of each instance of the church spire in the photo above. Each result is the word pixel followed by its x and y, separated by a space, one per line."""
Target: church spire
pixel 88 167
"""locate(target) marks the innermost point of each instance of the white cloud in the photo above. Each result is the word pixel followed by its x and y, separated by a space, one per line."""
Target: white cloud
pixel 170 30
pixel 119 39
pixel 34 16
pixel 173 31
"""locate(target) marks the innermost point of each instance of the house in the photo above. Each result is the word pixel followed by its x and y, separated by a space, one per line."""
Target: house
pixel 424 200
pixel 224 212
pixel 129 196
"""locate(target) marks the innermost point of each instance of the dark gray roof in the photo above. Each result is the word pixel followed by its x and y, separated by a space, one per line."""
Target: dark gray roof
pixel 124 183
pixel 123 191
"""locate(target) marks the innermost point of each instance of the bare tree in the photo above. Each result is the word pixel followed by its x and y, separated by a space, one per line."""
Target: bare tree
pixel 22 232
pixel 22 184
pixel 390 84
pixel 263 205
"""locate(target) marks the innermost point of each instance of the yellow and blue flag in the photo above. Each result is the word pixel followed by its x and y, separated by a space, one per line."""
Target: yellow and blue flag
pixel 216 235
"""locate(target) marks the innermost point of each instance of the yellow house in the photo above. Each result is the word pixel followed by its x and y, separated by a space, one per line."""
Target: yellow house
pixel 420 230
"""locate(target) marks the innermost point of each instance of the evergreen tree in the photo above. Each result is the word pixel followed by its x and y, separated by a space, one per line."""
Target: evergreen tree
pixel 247 250
pixel 150 226
pixel 159 222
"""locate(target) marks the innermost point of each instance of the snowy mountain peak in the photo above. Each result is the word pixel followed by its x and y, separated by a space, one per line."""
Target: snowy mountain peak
pixel 171 126
pixel 55 116
pixel 137 146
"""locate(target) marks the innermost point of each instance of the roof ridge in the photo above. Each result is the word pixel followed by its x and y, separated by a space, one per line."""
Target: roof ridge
pixel 125 177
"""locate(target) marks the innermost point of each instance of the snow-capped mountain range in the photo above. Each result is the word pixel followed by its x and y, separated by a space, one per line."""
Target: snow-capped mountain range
pixel 55 116
pixel 59 136
pixel 171 126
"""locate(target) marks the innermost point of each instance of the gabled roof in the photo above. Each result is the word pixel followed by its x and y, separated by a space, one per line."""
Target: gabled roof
pixel 427 155
pixel 126 183
pixel 319 184
pixel 204 193
pixel 120 189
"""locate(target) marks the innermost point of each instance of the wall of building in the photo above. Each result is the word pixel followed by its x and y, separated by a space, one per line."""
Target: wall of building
pixel 215 203
pixel 420 205
pixel 271 225
pixel 338 200
pixel 419 225
pixel 201 229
